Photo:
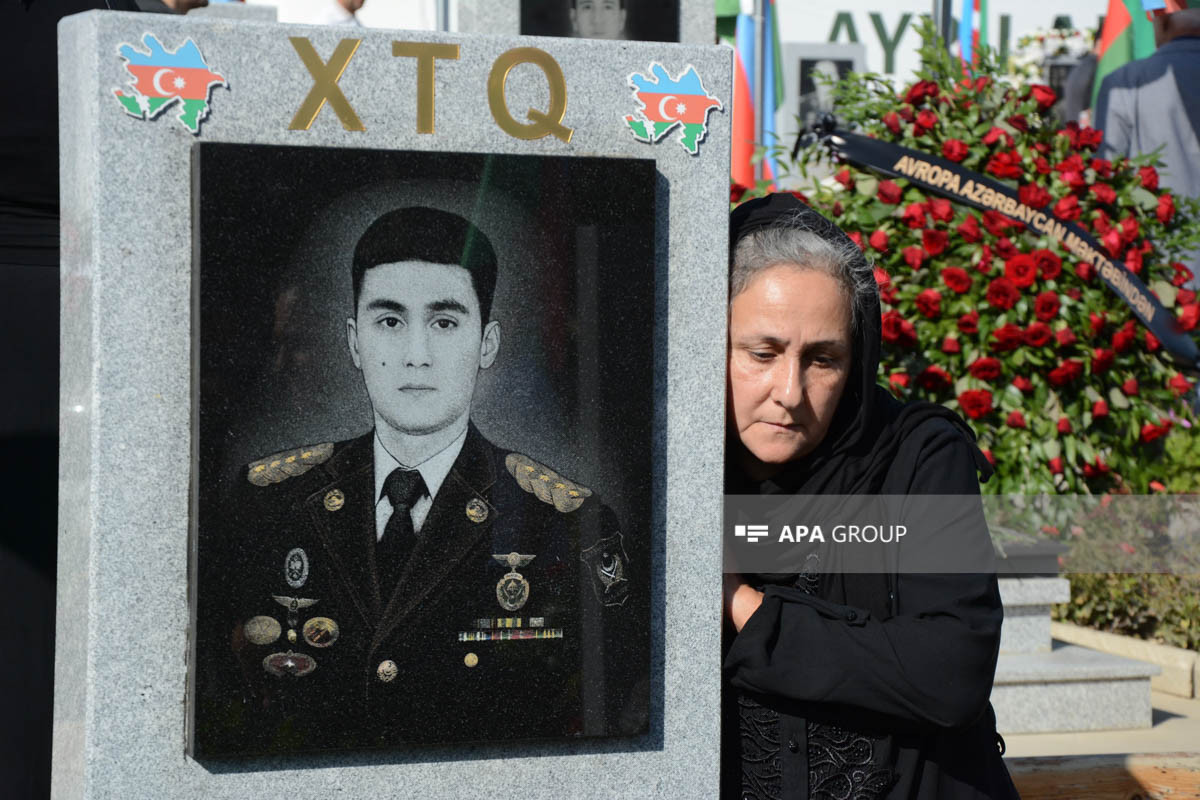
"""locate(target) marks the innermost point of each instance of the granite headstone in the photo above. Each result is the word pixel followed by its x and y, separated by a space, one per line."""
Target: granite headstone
pixel 220 184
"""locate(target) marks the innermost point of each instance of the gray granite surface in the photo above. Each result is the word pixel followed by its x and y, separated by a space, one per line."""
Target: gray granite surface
pixel 697 19
pixel 1069 663
pixel 127 411
pixel 237 11
pixel 1026 629
pixel 1033 591
pixel 1060 707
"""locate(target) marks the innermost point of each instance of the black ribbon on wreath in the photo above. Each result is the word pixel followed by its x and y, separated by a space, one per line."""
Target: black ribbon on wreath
pixel 950 180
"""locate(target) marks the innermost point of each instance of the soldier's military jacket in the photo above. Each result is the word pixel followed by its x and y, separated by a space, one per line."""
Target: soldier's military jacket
pixel 299 647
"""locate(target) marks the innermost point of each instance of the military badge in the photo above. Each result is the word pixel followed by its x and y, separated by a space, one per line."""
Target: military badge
pixel 295 567
pixel 609 567
pixel 320 631
pixel 262 630
pixel 387 671
pixel 512 591
pixel 293 605
pixel 477 510
pixel 334 500
pixel 289 663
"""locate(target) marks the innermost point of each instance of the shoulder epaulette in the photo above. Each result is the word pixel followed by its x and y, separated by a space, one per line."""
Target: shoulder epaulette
pixel 281 466
pixel 545 484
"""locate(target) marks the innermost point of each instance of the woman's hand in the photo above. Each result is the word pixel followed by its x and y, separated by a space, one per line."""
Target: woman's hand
pixel 741 600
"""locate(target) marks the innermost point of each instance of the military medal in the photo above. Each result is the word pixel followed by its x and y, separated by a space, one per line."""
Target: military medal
pixel 293 605
pixel 261 630
pixel 289 663
pixel 320 631
pixel 477 510
pixel 334 500
pixel 513 590
pixel 387 671
pixel 295 567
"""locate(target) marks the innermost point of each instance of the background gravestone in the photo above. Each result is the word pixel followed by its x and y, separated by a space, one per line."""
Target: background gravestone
pixel 695 22
pixel 131 312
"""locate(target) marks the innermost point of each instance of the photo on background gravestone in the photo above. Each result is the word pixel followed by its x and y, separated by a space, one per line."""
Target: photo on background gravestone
pixel 602 19
pixel 521 611
pixel 816 90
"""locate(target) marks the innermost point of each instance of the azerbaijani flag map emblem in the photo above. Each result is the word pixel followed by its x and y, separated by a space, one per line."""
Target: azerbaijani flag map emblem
pixel 161 78
pixel 666 102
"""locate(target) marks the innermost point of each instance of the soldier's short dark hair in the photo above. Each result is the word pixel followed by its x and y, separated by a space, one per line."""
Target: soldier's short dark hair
pixel 428 234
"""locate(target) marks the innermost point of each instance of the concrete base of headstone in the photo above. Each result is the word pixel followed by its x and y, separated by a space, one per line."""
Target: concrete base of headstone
pixel 1027 612
pixel 1071 689
pixel 236 11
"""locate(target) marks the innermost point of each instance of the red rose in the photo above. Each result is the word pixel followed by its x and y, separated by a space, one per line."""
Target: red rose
pixel 1112 241
pixel 1002 293
pixel 1066 372
pixel 951 345
pixel 1179 385
pixel 941 209
pixel 913 256
pixel 914 215
pixel 1073 292
pixel 934 242
pixel 1100 468
pixel 1038 334
pixel 1015 419
pixel 856 237
pixel 1046 306
pixel 1023 384
pixel 906 113
pixel 837 208
pixel 988 455
pixel 1102 359
pixel 1072 163
pixel 1084 270
pixel 897 330
pixel 969 323
pixel 985 369
pixel 1182 274
pixel 1064 337
pixel 1102 166
pixel 957 279
pixel 1019 122
pixel 888 192
pixel 1021 270
pixel 1124 337
pixel 1064 425
pixel 1049 266
pixel 1041 165
pixel 1149 176
pixel 996 223
pixel 969 229
pixel 1166 208
pixel 1068 208
pixel 975 403
pixel 1130 228
pixel 1043 95
pixel 954 150
pixel 1152 342
pixel 934 378
pixel 879 240
pixel 1096 322
pixel 929 303
pixel 1130 387
pixel 1056 465
pixel 1185 297
pixel 1190 316
pixel 926 119
pixel 985 260
pixel 1150 431
pixel 845 179
pixel 1074 179
pixel 1033 195
pixel 1005 248
pixel 1007 337
pixel 1005 164
pixel 899 380
pixel 1133 260
pixel 996 134
pixel 920 90
pixel 1104 193
pixel 1099 409
pixel 892 120
pixel 882 279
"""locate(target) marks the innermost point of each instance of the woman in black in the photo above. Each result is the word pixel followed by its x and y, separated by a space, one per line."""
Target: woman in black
pixel 846 686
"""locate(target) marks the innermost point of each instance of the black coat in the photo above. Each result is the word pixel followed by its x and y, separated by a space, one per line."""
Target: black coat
pixel 447 683
pixel 875 685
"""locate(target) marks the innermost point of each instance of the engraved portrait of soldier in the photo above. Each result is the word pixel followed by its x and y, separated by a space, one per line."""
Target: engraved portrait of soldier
pixel 630 20
pixel 415 582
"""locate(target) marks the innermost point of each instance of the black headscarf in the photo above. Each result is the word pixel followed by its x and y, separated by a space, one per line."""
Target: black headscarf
pixel 870 424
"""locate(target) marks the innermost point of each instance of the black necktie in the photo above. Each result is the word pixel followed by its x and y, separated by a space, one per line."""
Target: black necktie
pixel 403 488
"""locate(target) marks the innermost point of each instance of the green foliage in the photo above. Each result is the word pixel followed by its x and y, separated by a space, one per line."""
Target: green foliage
pixel 1163 608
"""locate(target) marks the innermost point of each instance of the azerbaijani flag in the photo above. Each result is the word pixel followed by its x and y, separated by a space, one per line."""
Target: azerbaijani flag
pixel 735 27
pixel 972 30
pixel 667 102
pixel 160 77
pixel 1127 35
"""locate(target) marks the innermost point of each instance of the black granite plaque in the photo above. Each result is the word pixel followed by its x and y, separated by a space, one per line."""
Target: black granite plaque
pixel 632 20
pixel 423 448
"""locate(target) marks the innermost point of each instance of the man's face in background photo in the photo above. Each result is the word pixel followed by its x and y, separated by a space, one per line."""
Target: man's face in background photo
pixel 598 19
pixel 419 340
